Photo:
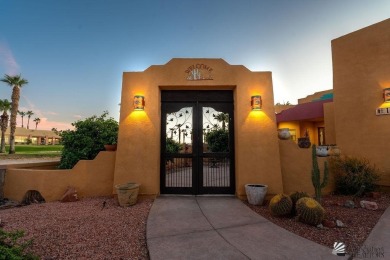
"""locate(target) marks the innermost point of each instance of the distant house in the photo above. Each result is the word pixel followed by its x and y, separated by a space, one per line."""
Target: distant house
pixel 37 137
pixel 308 115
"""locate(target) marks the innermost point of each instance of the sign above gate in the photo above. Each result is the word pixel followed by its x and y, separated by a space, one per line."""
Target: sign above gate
pixel 199 72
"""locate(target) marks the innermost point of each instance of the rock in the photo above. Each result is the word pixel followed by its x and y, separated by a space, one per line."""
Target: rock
pixel 70 195
pixel 32 196
pixel 375 195
pixel 328 223
pixel 349 204
pixel 320 226
pixel 6 204
pixel 368 205
pixel 340 224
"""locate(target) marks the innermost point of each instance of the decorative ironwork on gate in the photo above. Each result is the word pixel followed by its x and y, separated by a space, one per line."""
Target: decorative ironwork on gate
pixel 198 157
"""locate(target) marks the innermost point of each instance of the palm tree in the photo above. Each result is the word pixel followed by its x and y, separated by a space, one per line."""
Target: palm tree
pixel 5 105
pixel 224 118
pixel 29 114
pixel 37 121
pixel 15 82
pixel 22 114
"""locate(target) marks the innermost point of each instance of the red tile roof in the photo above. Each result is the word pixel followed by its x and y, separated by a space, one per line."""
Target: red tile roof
pixel 303 111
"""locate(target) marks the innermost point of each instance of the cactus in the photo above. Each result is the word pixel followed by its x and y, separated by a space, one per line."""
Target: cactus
pixel 295 196
pixel 310 211
pixel 316 175
pixel 280 205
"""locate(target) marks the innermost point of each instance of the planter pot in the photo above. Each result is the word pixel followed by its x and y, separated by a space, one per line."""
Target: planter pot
pixel 334 150
pixel 322 151
pixel 256 193
pixel 110 147
pixel 284 134
pixel 304 142
pixel 127 193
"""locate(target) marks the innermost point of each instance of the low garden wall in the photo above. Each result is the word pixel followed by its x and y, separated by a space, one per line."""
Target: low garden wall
pixel 89 177
pixel 296 164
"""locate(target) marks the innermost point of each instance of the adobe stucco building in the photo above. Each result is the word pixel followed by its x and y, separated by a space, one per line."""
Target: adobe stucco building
pixel 354 115
pixel 197 89
pixel 361 73
pixel 186 100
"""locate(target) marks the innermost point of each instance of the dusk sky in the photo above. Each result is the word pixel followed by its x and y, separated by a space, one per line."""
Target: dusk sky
pixel 73 52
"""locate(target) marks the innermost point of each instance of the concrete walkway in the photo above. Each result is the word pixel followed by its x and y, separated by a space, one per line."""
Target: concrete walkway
pixel 377 245
pixel 192 227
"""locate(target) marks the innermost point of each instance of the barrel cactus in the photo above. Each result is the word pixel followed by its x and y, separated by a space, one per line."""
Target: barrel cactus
pixel 280 205
pixel 295 196
pixel 310 211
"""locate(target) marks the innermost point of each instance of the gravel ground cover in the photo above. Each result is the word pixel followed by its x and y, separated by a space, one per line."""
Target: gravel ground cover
pixel 92 228
pixel 359 222
pixel 97 228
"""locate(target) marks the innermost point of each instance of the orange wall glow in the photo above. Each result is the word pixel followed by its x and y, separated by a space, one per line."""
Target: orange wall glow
pixel 256 147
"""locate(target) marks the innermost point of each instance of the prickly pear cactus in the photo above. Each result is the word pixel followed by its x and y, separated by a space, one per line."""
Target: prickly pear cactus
pixel 280 205
pixel 295 196
pixel 309 211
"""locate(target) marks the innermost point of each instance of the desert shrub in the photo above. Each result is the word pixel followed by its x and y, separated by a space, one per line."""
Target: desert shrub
pixel 28 141
pixel 351 173
pixel 12 248
pixel 87 139
pixel 218 140
pixel 172 146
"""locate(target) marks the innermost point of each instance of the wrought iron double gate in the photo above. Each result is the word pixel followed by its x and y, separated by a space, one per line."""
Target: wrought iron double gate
pixel 197 142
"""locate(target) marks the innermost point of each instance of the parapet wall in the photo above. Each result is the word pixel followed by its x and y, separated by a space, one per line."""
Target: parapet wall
pixel 90 178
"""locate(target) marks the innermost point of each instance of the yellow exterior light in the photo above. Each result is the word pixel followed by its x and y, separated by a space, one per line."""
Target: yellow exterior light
pixel 139 103
pixel 386 94
pixel 256 102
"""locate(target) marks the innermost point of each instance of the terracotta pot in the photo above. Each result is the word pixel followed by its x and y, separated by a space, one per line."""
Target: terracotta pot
pixel 127 193
pixel 110 147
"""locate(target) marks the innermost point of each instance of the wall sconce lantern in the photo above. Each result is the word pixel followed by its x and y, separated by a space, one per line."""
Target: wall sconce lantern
pixel 256 103
pixel 386 94
pixel 139 103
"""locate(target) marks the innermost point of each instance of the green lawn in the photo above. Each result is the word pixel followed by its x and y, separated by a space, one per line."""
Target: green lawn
pixel 30 151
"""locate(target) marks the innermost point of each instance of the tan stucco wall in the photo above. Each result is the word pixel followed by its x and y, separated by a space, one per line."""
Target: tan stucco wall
pixel 256 149
pixel 296 166
pixel 301 126
pixel 313 130
pixel 330 127
pixel 361 70
pixel 90 178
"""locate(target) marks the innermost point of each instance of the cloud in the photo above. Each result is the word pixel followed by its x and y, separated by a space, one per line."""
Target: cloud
pixel 46 123
pixel 7 60
pixel 78 116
